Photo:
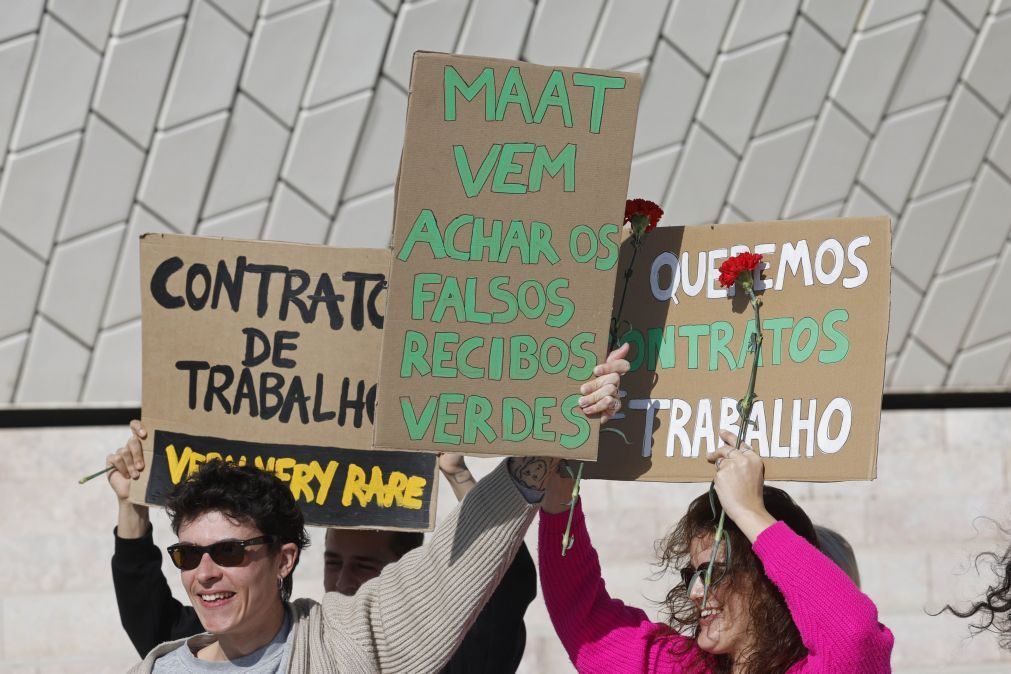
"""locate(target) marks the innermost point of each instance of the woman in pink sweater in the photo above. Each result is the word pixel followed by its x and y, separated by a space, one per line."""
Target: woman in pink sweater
pixel 778 605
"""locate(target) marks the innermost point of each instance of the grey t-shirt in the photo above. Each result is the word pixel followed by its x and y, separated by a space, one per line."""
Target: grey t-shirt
pixel 271 659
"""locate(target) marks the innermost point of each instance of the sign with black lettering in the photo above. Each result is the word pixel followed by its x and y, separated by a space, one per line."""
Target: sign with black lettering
pixel 266 342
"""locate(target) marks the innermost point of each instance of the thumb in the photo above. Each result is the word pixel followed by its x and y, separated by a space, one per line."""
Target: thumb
pixel 729 438
pixel 618 353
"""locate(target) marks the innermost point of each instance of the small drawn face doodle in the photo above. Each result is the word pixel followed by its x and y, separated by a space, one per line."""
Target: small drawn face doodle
pixel 534 471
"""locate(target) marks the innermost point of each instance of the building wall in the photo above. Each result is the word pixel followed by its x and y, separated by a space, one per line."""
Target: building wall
pixel 283 119
pixel 914 530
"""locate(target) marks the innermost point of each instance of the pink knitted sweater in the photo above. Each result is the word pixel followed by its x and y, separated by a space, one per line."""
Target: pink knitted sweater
pixel 838 624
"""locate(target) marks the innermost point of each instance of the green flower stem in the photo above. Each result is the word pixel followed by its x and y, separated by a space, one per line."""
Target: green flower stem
pixel 567 536
pixel 612 342
pixel 745 409
pixel 88 478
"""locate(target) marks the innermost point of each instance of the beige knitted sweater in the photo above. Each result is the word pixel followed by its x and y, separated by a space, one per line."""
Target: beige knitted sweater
pixel 414 615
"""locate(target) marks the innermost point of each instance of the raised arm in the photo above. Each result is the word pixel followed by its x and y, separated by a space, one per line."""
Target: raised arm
pixel 496 641
pixel 598 632
pixel 415 614
pixel 837 623
pixel 148 611
pixel 593 627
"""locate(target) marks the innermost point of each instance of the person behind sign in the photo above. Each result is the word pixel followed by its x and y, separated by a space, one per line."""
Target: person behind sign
pixel 150 615
pixel 237 569
pixel 780 605
pixel 838 549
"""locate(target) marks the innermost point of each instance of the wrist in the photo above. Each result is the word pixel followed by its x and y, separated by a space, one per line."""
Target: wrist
pixel 460 481
pixel 753 522
pixel 532 472
pixel 133 520
pixel 459 476
pixel 556 513
pixel 553 506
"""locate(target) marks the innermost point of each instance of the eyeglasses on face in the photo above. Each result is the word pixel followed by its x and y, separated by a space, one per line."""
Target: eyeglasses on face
pixel 187 556
pixel 690 574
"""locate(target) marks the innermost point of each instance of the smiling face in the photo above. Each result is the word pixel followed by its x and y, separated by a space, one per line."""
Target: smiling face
pixel 355 556
pixel 724 628
pixel 240 604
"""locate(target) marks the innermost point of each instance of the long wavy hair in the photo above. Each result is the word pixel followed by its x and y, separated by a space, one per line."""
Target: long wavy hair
pixel 993 611
pixel 779 645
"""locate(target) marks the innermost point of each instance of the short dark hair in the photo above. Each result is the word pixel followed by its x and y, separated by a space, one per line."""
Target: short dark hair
pixel 403 542
pixel 243 494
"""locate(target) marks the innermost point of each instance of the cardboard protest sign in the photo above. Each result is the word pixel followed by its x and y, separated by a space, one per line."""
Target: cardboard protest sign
pixel 824 287
pixel 352 488
pixel 509 205
pixel 266 353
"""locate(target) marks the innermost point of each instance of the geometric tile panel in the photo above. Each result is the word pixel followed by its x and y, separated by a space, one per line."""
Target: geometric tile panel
pixel 59 88
pixel 870 67
pixel 178 168
pixel 284 119
pixel 496 27
pixel 695 28
pixel 611 47
pixel 105 180
pixel 281 47
pixel 923 233
pixel 803 78
pixel 123 303
pixel 736 89
pixel 756 20
pixel 128 95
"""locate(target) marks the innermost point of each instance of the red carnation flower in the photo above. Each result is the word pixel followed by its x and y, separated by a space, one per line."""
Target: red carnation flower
pixel 642 214
pixel 732 270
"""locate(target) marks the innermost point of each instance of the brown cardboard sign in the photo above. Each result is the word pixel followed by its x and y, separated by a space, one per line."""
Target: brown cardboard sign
pixel 267 352
pixel 509 206
pixel 824 287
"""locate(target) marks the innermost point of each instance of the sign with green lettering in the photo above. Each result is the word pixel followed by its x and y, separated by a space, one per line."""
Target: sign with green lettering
pixel 509 206
pixel 824 288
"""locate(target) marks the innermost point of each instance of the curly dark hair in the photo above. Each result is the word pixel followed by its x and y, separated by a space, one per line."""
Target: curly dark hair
pixel 994 609
pixel 780 646
pixel 244 494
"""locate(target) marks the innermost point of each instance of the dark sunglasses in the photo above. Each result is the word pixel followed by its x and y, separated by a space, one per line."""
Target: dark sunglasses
pixel 690 573
pixel 187 556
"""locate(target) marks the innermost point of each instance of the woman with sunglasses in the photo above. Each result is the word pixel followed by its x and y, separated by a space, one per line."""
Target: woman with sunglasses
pixel 240 536
pixel 774 602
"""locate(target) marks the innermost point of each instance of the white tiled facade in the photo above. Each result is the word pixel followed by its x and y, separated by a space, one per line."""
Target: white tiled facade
pixel 283 119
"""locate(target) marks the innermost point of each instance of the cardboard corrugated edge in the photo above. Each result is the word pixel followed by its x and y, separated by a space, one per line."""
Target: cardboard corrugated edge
pixel 888 326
